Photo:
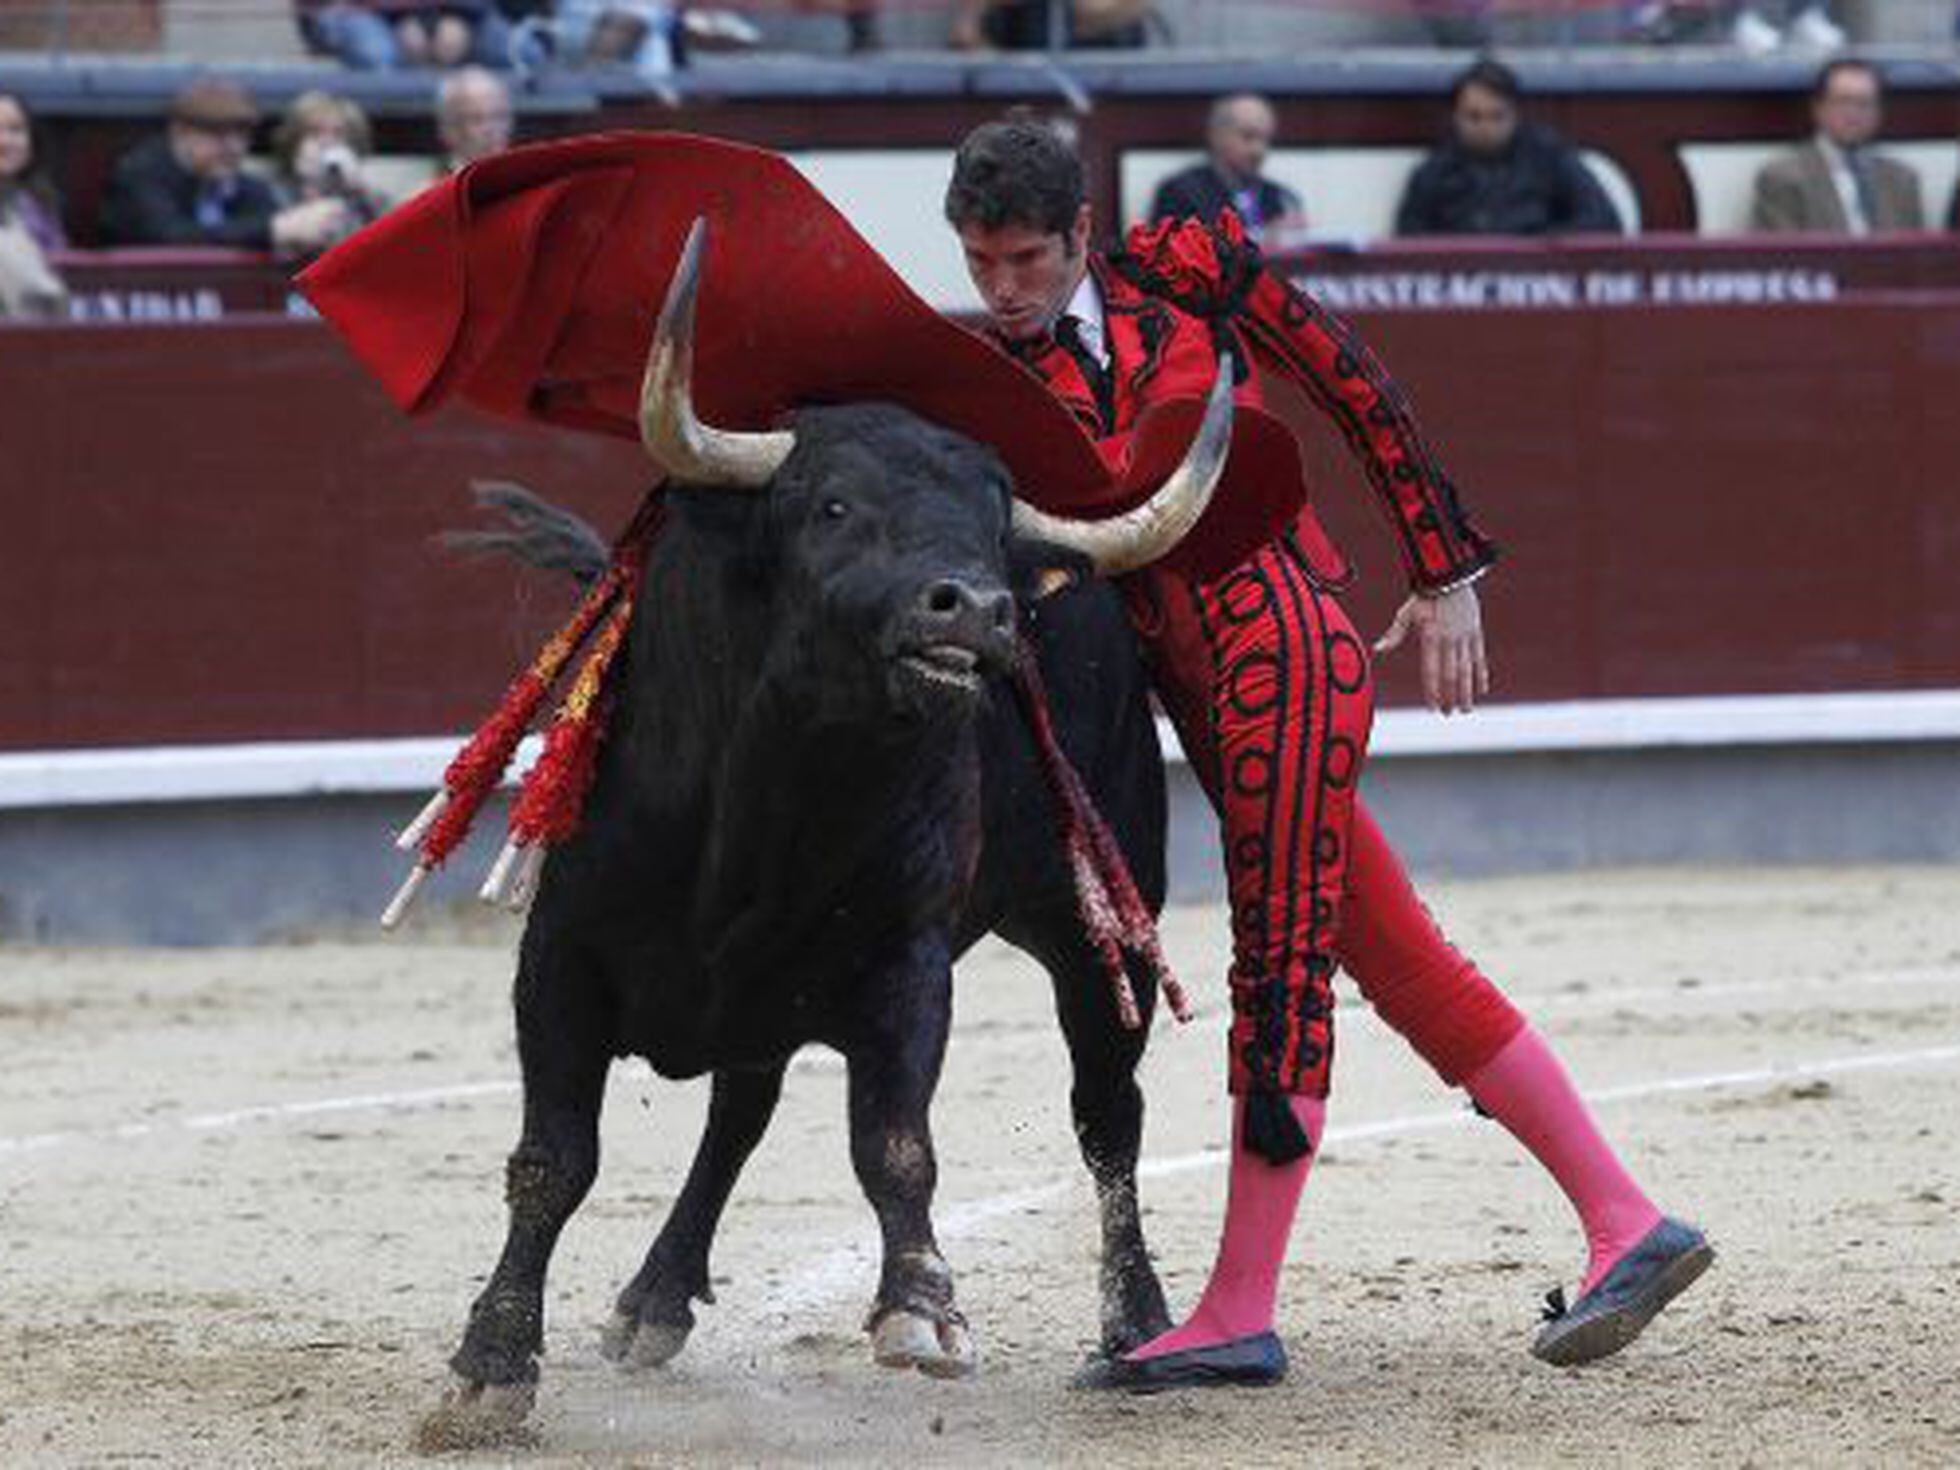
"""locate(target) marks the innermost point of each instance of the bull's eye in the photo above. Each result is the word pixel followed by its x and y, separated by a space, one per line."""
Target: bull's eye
pixel 835 509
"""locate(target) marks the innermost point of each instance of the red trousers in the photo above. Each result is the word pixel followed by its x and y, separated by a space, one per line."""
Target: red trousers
pixel 1271 692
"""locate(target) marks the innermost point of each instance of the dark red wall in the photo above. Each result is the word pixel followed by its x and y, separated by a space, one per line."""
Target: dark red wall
pixel 222 531
pixel 1694 501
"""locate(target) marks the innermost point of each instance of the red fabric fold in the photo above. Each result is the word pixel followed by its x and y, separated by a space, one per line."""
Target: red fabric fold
pixel 527 286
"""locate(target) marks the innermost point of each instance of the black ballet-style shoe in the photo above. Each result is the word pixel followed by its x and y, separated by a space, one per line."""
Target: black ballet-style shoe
pixel 1246 1362
pixel 1664 1264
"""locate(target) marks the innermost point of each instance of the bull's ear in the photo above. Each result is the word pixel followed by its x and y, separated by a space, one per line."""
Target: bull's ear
pixel 1040 569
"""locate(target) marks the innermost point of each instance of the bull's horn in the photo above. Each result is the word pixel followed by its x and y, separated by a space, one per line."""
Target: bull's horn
pixel 1140 536
pixel 680 444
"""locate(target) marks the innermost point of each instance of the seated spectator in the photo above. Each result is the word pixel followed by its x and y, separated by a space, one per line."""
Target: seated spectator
pixel 380 35
pixel 473 116
pixel 1237 135
pixel 654 37
pixel 317 151
pixel 1027 25
pixel 189 187
pixel 1837 182
pixel 860 19
pixel 30 221
pixel 1756 30
pixel 636 33
pixel 1499 173
pixel 1755 27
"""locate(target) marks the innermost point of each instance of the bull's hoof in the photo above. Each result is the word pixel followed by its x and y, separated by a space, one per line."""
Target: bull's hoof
pixel 939 1349
pixel 476 1415
pixel 1133 1310
pixel 632 1343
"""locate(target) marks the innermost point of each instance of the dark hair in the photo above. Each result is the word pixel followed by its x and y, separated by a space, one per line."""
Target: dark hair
pixel 1844 63
pixel 1016 172
pixel 1492 76
pixel 35 179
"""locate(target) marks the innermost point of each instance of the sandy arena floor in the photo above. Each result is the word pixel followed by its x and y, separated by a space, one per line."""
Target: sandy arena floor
pixel 246 1196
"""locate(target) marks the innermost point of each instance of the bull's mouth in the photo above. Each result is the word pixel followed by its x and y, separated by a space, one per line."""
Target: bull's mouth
pixel 945 666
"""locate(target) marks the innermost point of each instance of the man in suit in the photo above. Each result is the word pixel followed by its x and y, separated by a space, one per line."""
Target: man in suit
pixel 1237 136
pixel 190 187
pixel 1837 182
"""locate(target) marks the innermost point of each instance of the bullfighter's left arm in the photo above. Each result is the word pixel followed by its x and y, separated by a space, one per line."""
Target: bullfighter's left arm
pixel 1217 274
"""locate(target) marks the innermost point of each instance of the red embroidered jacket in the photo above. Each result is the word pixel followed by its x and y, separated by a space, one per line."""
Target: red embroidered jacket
pixel 1177 294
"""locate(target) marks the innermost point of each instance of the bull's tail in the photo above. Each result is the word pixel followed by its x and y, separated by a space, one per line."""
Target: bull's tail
pixel 534 531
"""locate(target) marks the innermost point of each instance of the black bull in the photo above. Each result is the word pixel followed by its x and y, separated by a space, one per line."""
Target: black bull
pixel 816 793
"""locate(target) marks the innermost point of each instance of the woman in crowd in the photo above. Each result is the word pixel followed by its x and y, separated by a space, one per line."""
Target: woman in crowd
pixel 318 150
pixel 30 220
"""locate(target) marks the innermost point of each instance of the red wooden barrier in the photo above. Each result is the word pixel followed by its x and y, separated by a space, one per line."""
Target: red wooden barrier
pixel 221 531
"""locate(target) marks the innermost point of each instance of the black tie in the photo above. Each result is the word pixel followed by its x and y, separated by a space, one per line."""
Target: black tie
pixel 1068 333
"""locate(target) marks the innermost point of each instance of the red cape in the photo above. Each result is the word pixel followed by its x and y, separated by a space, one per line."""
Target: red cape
pixel 527 285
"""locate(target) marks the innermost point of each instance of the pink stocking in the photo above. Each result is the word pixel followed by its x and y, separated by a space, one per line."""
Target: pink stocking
pixel 1526 1090
pixel 1259 1205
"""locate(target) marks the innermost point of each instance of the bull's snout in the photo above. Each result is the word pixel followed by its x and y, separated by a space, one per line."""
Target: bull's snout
pixel 963 612
pixel 956 632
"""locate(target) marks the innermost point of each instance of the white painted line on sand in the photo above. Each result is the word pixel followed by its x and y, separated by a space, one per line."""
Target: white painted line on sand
pixel 845 1269
pixel 419 1097
pixel 823 1061
pixel 1724 989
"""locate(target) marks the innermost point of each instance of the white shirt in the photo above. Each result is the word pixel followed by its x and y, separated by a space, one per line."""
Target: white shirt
pixel 1846 185
pixel 1087 309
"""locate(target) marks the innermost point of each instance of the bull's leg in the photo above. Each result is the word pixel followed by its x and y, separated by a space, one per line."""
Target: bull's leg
pixel 654 1313
pixel 894 1068
pixel 1107 1106
pixel 564 1050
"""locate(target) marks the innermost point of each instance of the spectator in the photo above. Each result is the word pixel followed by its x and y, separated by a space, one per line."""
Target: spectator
pixel 639 33
pixel 1837 182
pixel 30 221
pixel 189 187
pixel 379 35
pixel 860 19
pixel 654 37
pixel 1237 135
pixel 473 116
pixel 1750 26
pixel 1757 32
pixel 317 151
pixel 1499 173
pixel 1026 25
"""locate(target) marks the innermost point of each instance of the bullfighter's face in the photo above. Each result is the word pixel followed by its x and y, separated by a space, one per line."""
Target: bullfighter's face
pixel 1025 275
pixel 892 536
